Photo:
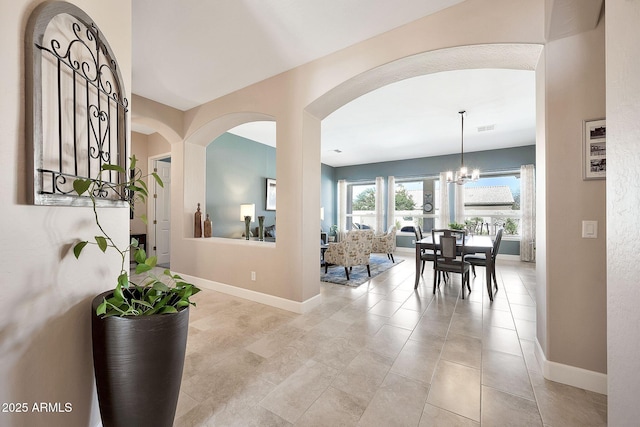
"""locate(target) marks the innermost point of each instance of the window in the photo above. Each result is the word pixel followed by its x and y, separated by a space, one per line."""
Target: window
pixel 361 205
pixel 416 203
pixel 493 202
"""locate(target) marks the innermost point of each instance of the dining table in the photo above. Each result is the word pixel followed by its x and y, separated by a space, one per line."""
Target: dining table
pixel 472 244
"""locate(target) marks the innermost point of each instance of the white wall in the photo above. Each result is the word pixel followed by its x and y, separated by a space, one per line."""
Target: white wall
pixel 45 339
pixel 623 201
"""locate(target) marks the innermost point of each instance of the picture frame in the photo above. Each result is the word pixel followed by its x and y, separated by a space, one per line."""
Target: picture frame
pixel 594 147
pixel 270 200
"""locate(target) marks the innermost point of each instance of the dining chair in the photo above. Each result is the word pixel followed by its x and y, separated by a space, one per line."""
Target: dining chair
pixel 425 254
pixel 481 259
pixel 448 245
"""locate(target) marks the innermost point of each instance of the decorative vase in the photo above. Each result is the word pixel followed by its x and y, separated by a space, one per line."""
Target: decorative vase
pixel 197 226
pixel 261 228
pixel 138 364
pixel 207 227
pixel 247 222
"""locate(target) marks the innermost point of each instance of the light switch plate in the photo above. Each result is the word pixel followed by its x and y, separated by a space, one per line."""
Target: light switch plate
pixel 590 229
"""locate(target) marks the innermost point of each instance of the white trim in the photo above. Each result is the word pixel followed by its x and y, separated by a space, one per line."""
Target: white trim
pixel 571 375
pixel 274 301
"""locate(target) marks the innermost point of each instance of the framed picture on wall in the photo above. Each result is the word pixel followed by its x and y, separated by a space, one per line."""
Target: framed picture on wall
pixel 594 164
pixel 270 202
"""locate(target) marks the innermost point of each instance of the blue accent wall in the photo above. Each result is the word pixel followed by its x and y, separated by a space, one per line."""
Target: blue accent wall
pixel 492 160
pixel 237 170
pixel 328 196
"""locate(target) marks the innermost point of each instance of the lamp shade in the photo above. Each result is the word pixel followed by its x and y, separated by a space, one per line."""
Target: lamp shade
pixel 248 209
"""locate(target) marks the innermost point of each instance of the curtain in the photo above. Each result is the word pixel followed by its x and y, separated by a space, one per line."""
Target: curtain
pixel 391 202
pixel 528 213
pixel 459 203
pixel 443 206
pixel 379 200
pixel 342 209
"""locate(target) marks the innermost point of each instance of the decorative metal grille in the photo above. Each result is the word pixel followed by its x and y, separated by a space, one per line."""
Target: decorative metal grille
pixel 79 110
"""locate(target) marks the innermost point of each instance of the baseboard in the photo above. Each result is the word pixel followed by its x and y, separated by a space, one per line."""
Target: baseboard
pixel 505 257
pixel 571 375
pixel 402 249
pixel 274 301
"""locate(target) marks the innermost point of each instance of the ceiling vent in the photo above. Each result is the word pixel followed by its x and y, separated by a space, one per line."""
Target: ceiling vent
pixel 486 128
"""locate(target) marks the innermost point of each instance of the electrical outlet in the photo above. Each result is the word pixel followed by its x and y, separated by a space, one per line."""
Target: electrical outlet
pixel 253 276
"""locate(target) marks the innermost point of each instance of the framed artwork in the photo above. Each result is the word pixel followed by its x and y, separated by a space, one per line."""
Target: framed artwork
pixel 270 202
pixel 594 147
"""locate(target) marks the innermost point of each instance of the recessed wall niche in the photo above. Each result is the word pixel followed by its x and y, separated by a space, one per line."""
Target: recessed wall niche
pixel 76 108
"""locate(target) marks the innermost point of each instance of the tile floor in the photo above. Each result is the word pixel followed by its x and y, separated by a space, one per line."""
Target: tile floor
pixel 381 354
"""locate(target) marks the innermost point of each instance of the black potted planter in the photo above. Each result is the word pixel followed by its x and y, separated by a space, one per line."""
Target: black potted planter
pixel 138 365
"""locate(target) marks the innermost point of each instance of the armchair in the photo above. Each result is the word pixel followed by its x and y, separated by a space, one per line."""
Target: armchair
pixel 385 243
pixel 353 250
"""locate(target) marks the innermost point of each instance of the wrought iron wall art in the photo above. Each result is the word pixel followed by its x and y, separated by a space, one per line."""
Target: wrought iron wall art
pixel 77 118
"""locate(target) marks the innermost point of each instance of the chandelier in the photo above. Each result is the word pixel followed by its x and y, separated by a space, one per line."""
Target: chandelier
pixel 462 175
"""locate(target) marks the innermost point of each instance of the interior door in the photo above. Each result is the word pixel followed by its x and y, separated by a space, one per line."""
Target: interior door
pixel 162 211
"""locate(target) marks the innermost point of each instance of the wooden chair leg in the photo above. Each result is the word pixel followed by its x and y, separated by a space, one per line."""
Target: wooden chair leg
pixel 368 270
pixel 473 268
pixel 346 271
pixel 495 281
pixel 392 260
pixel 326 267
pixel 423 264
pixel 434 280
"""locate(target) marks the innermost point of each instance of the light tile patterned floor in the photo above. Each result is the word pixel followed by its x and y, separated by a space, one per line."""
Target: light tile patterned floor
pixel 381 354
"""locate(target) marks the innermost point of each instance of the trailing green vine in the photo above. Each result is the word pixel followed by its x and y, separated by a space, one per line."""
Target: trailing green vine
pixel 152 295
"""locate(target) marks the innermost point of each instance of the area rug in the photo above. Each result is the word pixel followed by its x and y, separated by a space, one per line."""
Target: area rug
pixel 358 275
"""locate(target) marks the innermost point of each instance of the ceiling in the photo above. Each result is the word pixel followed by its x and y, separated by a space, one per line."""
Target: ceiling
pixel 223 46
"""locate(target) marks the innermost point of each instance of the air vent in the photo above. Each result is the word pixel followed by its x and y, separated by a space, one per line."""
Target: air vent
pixel 486 128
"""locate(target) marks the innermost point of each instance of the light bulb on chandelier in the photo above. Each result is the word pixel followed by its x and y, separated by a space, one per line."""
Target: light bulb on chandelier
pixel 462 175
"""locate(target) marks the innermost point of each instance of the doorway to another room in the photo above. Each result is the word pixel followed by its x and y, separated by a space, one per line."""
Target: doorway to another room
pixel 159 224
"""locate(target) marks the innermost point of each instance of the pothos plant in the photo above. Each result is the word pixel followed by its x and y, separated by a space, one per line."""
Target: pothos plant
pixel 152 295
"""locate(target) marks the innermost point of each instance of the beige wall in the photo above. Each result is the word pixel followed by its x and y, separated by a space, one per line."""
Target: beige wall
pixel 45 339
pixel 623 200
pixel 139 144
pixel 145 147
pixel 576 267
